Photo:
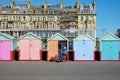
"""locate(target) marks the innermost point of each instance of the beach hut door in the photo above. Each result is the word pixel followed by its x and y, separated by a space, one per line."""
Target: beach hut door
pixel 4 50
pixel 34 50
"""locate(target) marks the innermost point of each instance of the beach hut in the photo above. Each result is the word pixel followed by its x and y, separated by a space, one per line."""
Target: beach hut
pixel 109 47
pixel 55 45
pixel 7 47
pixel 83 48
pixel 30 47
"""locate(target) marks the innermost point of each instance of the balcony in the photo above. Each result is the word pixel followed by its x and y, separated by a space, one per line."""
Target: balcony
pixel 69 20
pixel 43 29
pixel 24 21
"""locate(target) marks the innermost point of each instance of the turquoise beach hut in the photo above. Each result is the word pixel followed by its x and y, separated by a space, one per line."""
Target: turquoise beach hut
pixel 109 47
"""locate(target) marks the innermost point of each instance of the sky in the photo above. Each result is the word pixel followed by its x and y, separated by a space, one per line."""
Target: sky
pixel 108 12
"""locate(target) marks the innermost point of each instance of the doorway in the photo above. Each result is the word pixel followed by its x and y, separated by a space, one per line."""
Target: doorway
pixel 44 55
pixel 71 55
pixel 61 45
pixel 97 55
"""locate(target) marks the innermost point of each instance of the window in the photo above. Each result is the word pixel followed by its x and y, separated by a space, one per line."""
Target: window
pixel 58 18
pixel 24 18
pixel 24 11
pixel 4 18
pixel 91 18
pixel 64 12
pixel 3 27
pixel 51 18
pixel 82 12
pixel 31 26
pixel 38 18
pixel 50 26
pixel 6 25
pixel 86 18
pixel 86 6
pixel 17 18
pixel 31 11
pixel 23 26
pixel 58 26
pixel 40 25
pixel 38 11
pixel 89 26
pixel 37 25
pixel 81 18
pixel 81 26
pixel 50 12
pixel 57 12
pixel 30 18
pixel 16 25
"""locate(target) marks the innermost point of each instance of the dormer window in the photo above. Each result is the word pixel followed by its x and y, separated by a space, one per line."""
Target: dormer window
pixel 86 6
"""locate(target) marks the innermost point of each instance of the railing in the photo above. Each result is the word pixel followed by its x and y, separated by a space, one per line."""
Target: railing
pixel 69 20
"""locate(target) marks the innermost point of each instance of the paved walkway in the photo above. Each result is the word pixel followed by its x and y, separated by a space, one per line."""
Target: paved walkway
pixel 59 71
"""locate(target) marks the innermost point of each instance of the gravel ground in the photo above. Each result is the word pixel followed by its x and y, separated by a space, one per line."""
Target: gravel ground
pixel 59 71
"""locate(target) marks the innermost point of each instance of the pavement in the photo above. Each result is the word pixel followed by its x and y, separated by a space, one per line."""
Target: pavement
pixel 59 71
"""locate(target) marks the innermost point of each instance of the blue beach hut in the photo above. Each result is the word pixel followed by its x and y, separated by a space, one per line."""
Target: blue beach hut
pixel 83 47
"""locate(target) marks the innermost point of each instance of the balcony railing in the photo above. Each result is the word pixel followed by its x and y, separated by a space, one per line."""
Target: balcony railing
pixel 69 20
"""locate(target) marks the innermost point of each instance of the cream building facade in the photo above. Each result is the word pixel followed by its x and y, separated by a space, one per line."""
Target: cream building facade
pixel 47 19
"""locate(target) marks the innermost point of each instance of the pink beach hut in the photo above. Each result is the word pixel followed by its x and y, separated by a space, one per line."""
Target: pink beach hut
pixel 7 47
pixel 30 47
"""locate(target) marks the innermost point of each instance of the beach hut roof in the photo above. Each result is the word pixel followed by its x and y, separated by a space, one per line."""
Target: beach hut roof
pixel 58 36
pixel 83 37
pixel 29 36
pixel 4 36
pixel 109 36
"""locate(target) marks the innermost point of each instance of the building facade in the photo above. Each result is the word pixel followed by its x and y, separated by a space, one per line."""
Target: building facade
pixel 118 33
pixel 47 19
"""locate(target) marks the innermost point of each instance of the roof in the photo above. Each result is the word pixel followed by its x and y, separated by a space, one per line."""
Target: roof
pixel 58 36
pixel 83 37
pixel 4 36
pixel 29 36
pixel 109 36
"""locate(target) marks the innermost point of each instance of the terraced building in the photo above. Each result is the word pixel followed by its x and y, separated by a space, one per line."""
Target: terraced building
pixel 47 19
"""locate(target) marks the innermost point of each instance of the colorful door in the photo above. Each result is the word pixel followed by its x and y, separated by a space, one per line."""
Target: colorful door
pixel 105 47
pixel 24 50
pixel 5 50
pixel 78 48
pixel 89 50
pixel 114 50
pixel 34 50
pixel 30 50
pixel 52 49
pixel 84 50
pixel 110 50
pixel 0 51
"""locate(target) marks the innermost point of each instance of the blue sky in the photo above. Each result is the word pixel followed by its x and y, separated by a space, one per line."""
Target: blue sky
pixel 108 12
